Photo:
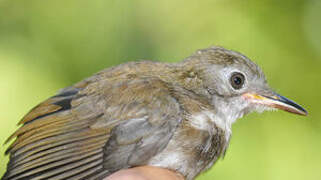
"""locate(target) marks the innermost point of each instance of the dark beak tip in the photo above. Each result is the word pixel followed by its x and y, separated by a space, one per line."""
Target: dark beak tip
pixel 297 108
pixel 305 113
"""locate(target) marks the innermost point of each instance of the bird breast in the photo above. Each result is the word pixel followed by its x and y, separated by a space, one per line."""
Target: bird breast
pixel 196 144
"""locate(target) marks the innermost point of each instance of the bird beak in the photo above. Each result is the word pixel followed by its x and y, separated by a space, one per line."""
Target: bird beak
pixel 276 101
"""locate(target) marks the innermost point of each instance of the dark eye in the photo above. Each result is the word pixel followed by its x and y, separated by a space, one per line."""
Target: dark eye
pixel 237 80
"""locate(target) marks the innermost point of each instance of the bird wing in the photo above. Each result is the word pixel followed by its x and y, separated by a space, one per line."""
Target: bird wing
pixel 94 128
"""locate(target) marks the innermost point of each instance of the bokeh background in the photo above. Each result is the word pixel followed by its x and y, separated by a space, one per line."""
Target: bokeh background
pixel 47 45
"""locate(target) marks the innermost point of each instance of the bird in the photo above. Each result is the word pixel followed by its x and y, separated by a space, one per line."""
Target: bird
pixel 176 116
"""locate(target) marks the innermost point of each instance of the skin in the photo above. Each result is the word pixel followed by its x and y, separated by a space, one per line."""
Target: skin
pixel 145 173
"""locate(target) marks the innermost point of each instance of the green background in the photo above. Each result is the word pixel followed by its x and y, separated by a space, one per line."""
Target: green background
pixel 47 45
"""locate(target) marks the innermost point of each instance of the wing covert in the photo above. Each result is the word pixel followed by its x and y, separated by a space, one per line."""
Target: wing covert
pixel 92 129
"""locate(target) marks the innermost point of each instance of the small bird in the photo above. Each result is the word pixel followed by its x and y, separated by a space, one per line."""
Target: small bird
pixel 176 116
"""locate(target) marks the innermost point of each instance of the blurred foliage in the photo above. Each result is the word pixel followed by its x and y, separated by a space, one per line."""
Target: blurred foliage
pixel 47 45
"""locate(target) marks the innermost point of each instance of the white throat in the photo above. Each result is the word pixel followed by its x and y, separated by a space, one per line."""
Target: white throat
pixel 205 120
pixel 223 117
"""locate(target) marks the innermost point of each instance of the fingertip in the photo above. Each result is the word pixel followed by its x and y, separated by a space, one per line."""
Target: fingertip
pixel 145 173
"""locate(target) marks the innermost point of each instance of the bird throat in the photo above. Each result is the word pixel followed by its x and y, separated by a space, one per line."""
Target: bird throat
pixel 223 116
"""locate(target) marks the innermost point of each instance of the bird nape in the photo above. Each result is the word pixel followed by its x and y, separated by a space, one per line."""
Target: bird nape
pixel 171 115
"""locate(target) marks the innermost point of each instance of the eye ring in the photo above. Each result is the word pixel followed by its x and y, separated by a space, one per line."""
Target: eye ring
pixel 237 80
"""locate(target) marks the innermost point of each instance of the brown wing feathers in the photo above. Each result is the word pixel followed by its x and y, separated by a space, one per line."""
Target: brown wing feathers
pixel 54 143
pixel 68 135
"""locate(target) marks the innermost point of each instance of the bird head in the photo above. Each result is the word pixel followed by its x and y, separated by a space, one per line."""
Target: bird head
pixel 235 84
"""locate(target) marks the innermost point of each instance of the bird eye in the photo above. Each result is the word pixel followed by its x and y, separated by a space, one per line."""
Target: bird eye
pixel 237 80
